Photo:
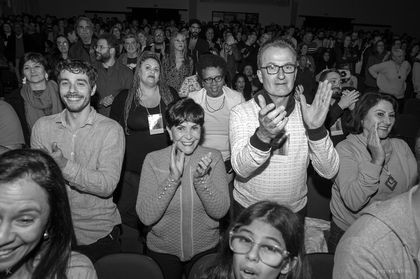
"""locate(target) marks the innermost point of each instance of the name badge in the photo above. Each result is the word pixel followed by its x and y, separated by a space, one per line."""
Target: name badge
pixel 155 123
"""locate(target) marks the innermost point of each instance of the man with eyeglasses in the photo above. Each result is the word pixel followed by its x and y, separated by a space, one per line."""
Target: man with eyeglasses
pixel 113 76
pixel 273 136
pixel 84 49
pixel 159 46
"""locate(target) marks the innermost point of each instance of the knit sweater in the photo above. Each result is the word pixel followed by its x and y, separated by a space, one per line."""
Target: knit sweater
pixel 264 175
pixel 383 243
pixel 183 216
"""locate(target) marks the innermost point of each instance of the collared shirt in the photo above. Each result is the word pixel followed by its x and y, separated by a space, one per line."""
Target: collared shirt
pixel 95 154
pixel 111 81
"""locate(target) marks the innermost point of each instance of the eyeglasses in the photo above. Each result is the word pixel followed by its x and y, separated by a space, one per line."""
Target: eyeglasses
pixel 210 80
pixel 180 41
pixel 62 44
pixel 100 47
pixel 271 255
pixel 160 35
pixel 273 69
pixel 130 44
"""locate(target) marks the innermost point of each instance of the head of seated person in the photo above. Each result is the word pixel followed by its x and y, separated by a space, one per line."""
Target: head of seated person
pixel 265 241
pixel 36 230
pixel 211 70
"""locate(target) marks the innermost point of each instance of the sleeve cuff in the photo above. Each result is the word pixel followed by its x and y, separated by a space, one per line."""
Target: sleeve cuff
pixel 318 133
pixel 259 144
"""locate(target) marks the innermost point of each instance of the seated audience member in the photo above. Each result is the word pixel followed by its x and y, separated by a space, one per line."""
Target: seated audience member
pixel 373 167
pixel 158 46
pixel 11 134
pixel 36 225
pixel 231 55
pixel 345 53
pixel 89 149
pixel 253 79
pixel 38 96
pixel 59 53
pixel 326 60
pixel 384 242
pixel 305 77
pixel 142 40
pixel 131 46
pixel 183 192
pixel 310 62
pixel 84 49
pixel 241 84
pixel 196 45
pixel 137 110
pixel 279 252
pixel 217 100
pixel 342 103
pixel 377 56
pixel 177 65
pixel 391 75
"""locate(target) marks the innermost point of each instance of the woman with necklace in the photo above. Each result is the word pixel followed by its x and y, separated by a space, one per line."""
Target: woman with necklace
pixel 217 101
pixel 373 167
pixel 178 64
pixel 140 111
pixel 391 75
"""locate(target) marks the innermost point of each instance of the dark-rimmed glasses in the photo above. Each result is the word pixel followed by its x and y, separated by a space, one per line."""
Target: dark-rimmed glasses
pixel 273 69
pixel 210 80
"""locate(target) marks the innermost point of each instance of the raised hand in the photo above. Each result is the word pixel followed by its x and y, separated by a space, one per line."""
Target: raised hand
pixel 107 101
pixel 202 167
pixel 315 114
pixel 58 156
pixel 272 120
pixel 299 91
pixel 349 99
pixel 177 163
pixel 375 147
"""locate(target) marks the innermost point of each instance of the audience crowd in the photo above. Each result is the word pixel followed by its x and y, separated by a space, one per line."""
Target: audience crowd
pixel 200 138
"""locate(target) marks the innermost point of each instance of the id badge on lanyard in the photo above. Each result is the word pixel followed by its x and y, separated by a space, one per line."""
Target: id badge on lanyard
pixel 155 123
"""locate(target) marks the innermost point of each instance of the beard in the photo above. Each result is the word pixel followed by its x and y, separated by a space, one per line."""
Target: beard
pixel 75 106
pixel 337 93
pixel 193 34
pixel 103 57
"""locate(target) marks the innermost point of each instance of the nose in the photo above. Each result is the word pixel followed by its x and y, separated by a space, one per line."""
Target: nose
pixel 6 236
pixel 253 254
pixel 281 74
pixel 72 88
pixel 387 120
pixel 188 134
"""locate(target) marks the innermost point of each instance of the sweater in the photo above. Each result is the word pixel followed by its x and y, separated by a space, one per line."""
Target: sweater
pixel 383 243
pixel 183 216
pixel 360 183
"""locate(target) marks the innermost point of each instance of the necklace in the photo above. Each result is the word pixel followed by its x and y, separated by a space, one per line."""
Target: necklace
pixel 211 109
pixel 391 183
pixel 398 70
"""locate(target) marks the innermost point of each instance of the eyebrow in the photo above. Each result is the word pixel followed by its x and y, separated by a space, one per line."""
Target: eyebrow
pixel 29 209
pixel 266 237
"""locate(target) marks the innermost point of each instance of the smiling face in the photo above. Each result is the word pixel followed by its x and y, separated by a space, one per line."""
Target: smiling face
pixel 215 88
pixel 186 136
pixel 149 72
pixel 249 265
pixel 240 84
pixel 24 215
pixel 75 91
pixel 280 84
pixel 34 72
pixel 335 80
pixel 383 114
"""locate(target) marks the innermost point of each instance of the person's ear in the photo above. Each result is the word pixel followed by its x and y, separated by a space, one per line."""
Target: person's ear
pixel 259 74
pixel 289 266
pixel 93 90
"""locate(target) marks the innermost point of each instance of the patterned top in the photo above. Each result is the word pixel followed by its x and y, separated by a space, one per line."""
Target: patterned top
pixel 173 76
pixel 269 175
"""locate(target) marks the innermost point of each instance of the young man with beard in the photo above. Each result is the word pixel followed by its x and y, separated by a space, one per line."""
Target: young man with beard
pixel 84 49
pixel 196 45
pixel 113 76
pixel 342 103
pixel 89 149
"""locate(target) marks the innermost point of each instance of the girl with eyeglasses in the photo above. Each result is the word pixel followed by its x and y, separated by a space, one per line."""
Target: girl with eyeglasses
pixel 266 241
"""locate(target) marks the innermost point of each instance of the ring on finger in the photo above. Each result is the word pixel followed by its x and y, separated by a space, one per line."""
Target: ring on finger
pixel 278 124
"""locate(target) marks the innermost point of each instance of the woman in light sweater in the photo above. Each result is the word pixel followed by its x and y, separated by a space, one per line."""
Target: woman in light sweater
pixel 183 192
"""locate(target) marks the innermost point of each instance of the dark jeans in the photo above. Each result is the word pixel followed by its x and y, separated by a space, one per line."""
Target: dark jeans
pixel 237 209
pixel 335 235
pixel 173 267
pixel 107 245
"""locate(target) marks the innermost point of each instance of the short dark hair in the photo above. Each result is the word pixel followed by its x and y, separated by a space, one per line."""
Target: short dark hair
pixel 183 110
pixel 55 251
pixel 325 73
pixel 111 40
pixel 77 66
pixel 34 57
pixel 208 61
pixel 365 103
pixel 196 21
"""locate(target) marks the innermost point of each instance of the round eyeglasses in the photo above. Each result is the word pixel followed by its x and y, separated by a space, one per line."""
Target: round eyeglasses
pixel 271 255
pixel 273 69
pixel 210 80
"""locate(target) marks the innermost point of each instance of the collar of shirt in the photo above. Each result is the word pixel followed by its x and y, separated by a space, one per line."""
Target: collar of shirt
pixel 62 117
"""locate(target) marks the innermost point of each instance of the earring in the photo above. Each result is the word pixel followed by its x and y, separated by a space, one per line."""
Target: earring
pixel 46 235
pixel 24 80
pixel 46 76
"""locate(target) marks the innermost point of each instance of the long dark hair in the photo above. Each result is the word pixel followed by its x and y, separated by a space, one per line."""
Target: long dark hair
pixel 54 252
pixel 280 217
